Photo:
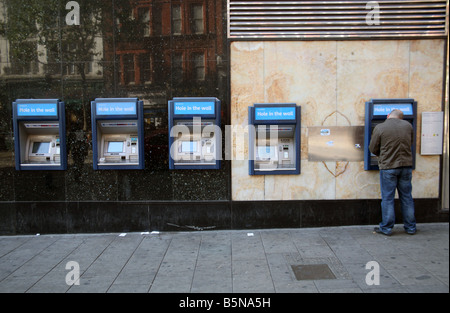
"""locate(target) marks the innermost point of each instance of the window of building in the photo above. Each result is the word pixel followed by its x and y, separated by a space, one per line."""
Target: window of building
pixel 176 19
pixel 69 49
pixel 145 63
pixel 128 68
pixel 24 58
pixel 199 66
pixel 72 65
pixel 144 18
pixel 89 67
pixel 157 19
pixel 197 19
pixel 70 69
pixel 177 67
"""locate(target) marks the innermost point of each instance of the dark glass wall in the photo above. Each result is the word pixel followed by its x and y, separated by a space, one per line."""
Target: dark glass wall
pixel 151 49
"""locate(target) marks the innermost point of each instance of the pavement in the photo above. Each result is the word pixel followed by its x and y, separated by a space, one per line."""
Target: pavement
pixel 350 259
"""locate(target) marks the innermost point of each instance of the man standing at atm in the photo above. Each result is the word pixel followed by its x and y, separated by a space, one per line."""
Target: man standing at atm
pixel 391 141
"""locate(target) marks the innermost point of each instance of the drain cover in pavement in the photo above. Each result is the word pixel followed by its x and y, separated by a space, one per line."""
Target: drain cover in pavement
pixel 313 272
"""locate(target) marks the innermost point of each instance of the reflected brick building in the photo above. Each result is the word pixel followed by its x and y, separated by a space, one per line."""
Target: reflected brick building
pixel 160 42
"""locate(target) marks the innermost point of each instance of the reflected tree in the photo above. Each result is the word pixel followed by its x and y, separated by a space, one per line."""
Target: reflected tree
pixel 41 41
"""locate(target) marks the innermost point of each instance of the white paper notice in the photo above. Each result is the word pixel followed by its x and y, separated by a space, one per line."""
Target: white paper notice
pixel 432 132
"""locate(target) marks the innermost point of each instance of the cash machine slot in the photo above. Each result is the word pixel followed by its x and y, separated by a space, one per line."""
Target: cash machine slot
pixel 119 143
pixel 118 133
pixel 194 149
pixel 39 129
pixel 275 141
pixel 275 153
pixel 194 133
pixel 43 145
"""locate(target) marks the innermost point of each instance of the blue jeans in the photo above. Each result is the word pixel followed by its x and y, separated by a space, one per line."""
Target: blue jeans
pixel 391 180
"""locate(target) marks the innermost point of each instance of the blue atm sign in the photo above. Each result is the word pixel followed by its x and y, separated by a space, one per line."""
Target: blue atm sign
pixel 385 109
pixel 116 108
pixel 37 109
pixel 275 113
pixel 191 108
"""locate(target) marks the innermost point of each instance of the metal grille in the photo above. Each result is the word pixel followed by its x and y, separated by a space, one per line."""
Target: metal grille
pixel 263 19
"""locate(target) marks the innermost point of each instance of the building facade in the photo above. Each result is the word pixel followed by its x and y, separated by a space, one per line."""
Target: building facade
pixel 328 58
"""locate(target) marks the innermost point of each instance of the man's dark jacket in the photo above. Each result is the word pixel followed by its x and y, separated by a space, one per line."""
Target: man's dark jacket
pixel 391 141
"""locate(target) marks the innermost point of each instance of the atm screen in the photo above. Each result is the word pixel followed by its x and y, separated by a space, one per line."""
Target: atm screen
pixel 41 147
pixel 266 152
pixel 188 146
pixel 115 147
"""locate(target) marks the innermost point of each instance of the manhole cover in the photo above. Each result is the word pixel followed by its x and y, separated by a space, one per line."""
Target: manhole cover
pixel 313 272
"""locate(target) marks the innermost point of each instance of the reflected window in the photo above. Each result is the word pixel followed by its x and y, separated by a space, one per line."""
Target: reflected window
pixel 197 20
pixel 128 68
pixel 89 67
pixel 52 66
pixel 177 67
pixel 144 18
pixel 24 59
pixel 70 69
pixel 157 19
pixel 145 63
pixel 176 19
pixel 71 52
pixel 199 66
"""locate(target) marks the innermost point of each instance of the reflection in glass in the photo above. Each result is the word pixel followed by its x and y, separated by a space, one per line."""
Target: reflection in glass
pixel 176 19
pixel 197 19
pixel 151 49
pixel 199 66
pixel 177 67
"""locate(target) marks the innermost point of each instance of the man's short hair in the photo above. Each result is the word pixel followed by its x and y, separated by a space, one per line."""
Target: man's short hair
pixel 396 114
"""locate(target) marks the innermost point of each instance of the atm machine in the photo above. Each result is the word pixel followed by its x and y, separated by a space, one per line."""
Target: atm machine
pixel 274 139
pixel 377 111
pixel 40 134
pixel 117 133
pixel 195 138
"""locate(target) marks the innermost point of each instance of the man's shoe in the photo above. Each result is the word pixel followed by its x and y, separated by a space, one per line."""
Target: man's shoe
pixel 410 232
pixel 378 231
